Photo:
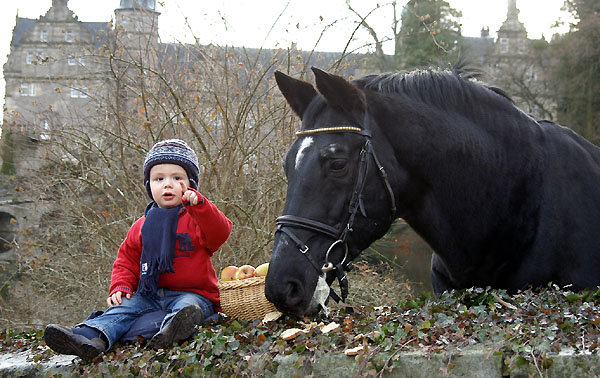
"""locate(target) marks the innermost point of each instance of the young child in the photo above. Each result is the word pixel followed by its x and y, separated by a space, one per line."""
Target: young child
pixel 164 263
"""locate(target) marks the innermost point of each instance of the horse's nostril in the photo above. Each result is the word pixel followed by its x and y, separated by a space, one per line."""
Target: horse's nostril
pixel 295 292
pixel 286 293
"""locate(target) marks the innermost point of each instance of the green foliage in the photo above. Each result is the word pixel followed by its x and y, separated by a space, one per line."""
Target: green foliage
pixel 576 73
pixel 525 330
pixel 540 45
pixel 583 9
pixel 430 33
pixel 423 33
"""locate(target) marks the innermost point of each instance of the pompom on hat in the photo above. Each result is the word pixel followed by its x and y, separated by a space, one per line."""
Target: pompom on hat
pixel 172 151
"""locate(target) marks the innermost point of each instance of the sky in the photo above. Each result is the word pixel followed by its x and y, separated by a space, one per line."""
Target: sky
pixel 279 23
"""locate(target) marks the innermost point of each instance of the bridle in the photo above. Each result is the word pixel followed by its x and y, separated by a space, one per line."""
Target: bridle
pixel 340 236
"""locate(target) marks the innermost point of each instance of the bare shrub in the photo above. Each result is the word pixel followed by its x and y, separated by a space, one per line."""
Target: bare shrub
pixel 221 101
pixel 377 285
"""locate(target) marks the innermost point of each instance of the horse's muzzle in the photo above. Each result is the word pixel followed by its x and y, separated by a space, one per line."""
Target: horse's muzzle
pixel 289 295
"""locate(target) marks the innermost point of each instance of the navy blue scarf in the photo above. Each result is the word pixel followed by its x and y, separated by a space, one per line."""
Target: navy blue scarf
pixel 158 246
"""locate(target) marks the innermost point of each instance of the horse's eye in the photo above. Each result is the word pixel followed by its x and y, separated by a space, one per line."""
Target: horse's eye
pixel 337 164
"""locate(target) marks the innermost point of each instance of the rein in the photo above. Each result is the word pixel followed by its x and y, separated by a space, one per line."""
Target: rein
pixel 284 222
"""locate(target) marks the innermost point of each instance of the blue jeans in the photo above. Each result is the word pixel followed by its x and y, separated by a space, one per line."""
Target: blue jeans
pixel 117 320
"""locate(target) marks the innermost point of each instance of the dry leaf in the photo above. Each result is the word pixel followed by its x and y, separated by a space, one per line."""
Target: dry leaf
pixel 359 336
pixel 291 333
pixel 269 317
pixel 309 325
pixel 354 351
pixel 329 327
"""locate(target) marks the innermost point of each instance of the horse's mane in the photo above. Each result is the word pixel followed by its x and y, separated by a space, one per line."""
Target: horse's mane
pixel 443 88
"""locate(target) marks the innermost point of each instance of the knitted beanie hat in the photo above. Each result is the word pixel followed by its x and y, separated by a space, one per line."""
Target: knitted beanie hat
pixel 172 151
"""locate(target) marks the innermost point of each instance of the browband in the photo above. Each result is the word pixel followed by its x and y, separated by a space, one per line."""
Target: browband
pixel 330 130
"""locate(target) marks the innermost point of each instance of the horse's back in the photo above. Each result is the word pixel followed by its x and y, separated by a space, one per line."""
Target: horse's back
pixel 569 220
pixel 570 161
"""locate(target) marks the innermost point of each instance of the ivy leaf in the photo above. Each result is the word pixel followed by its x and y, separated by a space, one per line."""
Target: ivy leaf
pixel 425 325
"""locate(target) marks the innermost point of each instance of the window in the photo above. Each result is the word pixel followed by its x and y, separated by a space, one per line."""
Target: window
pixel 79 92
pixel 44 36
pixel 73 61
pixel 45 130
pixel 41 58
pixel 27 89
pixel 29 58
pixel 69 36
pixel 503 45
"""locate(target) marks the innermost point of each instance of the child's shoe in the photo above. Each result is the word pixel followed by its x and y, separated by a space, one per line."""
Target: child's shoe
pixel 63 340
pixel 181 326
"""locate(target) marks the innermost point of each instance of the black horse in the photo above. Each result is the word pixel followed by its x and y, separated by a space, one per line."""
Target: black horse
pixel 503 200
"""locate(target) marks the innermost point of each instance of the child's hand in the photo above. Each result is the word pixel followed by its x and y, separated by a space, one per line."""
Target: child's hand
pixel 189 197
pixel 116 298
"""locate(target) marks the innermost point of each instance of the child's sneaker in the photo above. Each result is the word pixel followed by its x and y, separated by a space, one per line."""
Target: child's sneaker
pixel 62 340
pixel 181 326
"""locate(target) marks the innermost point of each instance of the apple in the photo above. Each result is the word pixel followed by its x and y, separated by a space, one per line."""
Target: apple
pixel 261 270
pixel 244 271
pixel 228 273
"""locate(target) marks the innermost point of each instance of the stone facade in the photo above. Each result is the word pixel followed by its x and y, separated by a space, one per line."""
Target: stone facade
pixel 54 69
pixel 49 73
pixel 515 63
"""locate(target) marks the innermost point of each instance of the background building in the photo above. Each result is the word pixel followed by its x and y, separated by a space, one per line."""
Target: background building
pixel 54 69
pixel 515 63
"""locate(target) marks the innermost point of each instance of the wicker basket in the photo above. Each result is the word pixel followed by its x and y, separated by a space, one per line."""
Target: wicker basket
pixel 245 299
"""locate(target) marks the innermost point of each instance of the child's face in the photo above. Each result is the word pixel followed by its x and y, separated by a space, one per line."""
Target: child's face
pixel 166 184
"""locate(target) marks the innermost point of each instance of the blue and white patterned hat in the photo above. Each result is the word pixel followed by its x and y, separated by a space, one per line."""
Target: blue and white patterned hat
pixel 172 151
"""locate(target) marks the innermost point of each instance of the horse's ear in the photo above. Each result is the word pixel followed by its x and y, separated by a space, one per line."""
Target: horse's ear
pixel 298 93
pixel 339 93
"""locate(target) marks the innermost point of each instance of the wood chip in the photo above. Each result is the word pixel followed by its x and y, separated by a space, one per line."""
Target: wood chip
pixel 329 327
pixel 354 351
pixel 271 316
pixel 291 333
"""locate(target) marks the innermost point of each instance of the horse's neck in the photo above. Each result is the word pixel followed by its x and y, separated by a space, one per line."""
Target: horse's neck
pixel 457 170
pixel 426 137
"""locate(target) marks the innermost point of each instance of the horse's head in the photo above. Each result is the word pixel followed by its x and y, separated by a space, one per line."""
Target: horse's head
pixel 338 200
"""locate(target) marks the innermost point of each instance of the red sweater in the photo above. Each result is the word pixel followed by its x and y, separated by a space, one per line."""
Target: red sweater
pixel 201 230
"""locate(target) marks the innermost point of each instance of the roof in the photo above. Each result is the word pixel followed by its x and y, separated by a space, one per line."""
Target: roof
pixel 24 24
pixel 97 28
pixel 476 49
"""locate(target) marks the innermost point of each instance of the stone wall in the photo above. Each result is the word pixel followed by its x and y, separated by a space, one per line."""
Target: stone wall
pixel 472 362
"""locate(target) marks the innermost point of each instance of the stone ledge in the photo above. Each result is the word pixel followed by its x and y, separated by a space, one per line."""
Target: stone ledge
pixel 21 364
pixel 472 362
